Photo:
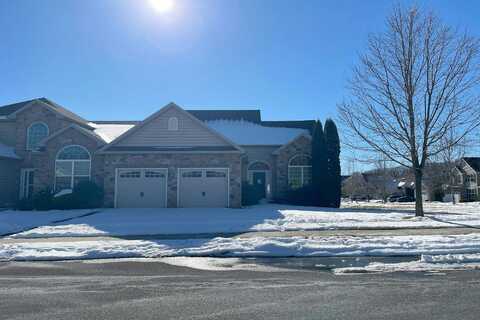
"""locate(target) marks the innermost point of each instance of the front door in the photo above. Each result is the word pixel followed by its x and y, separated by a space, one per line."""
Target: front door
pixel 26 183
pixel 260 182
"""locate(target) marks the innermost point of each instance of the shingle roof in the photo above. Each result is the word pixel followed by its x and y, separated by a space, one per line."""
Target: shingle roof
pixel 170 149
pixel 67 113
pixel 247 133
pixel 11 108
pixel 473 162
pixel 298 124
pixel 211 115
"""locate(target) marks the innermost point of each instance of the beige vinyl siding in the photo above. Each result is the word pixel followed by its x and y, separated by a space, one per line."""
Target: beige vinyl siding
pixel 7 132
pixel 8 182
pixel 189 133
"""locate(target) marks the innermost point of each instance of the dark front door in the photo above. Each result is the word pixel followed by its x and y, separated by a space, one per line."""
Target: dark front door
pixel 260 181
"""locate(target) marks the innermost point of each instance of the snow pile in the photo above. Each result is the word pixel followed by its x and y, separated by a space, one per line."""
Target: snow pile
pixel 451 258
pixel 464 208
pixel 248 133
pixel 16 221
pixel 427 263
pixel 122 222
pixel 7 152
pixel 246 247
pixel 217 264
pixel 109 132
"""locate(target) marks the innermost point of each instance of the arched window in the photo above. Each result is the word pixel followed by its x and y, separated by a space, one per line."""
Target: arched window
pixel 173 124
pixel 36 132
pixel 71 166
pixel 299 171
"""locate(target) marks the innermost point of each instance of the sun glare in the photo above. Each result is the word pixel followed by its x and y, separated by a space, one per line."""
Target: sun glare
pixel 162 6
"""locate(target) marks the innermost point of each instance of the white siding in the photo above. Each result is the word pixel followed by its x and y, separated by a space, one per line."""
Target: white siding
pixel 189 133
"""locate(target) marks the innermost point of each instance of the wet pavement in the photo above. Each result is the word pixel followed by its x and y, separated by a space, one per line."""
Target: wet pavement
pixel 124 289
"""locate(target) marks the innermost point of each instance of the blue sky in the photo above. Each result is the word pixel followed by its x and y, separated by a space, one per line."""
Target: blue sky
pixel 121 60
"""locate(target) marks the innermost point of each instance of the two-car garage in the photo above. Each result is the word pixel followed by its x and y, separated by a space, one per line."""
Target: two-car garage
pixel 148 188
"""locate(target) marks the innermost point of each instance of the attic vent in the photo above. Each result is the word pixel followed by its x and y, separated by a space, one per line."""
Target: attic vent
pixel 173 124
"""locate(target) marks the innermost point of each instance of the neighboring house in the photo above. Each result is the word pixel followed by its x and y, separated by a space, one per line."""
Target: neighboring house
pixel 370 185
pixel 173 158
pixel 465 178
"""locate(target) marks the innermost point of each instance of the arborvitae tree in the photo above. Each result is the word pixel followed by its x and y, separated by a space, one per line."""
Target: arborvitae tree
pixel 332 141
pixel 319 166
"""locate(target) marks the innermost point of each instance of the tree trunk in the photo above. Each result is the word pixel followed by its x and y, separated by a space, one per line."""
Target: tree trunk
pixel 418 193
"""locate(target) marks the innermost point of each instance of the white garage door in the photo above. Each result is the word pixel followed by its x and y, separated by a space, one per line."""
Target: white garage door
pixel 141 188
pixel 203 188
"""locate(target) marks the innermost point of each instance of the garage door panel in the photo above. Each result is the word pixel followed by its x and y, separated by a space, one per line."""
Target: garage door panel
pixel 141 188
pixel 203 188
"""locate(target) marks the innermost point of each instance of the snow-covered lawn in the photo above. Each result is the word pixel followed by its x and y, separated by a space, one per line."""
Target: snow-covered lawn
pixel 248 247
pixel 124 222
pixel 16 221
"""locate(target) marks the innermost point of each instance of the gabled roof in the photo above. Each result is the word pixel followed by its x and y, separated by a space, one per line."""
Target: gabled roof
pixel 112 145
pixel 12 109
pixel 300 136
pixel 86 132
pixel 473 162
pixel 240 115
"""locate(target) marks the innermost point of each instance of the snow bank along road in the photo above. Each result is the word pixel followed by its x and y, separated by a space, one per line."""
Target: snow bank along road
pixel 265 218
pixel 452 251
pixel 442 252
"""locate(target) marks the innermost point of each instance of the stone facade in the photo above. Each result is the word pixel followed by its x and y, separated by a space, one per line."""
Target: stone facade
pixel 173 162
pixel 29 116
pixel 300 146
pixel 44 160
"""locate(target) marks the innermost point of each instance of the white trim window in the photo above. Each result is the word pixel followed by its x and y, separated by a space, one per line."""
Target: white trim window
pixel 72 165
pixel 299 171
pixel 173 124
pixel 26 183
pixel 36 132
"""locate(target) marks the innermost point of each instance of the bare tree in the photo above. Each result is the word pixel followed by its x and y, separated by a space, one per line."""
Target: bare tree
pixel 413 85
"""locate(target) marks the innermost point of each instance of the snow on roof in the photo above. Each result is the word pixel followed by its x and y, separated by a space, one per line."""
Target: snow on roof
pixel 249 133
pixel 7 152
pixel 111 131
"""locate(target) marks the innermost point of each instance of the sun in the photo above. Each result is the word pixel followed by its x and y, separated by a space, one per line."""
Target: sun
pixel 162 6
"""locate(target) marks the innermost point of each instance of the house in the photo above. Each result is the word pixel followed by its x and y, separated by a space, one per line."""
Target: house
pixel 465 178
pixel 173 158
pixel 374 184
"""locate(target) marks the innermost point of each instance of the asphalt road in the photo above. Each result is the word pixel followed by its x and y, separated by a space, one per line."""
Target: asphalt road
pixel 153 290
